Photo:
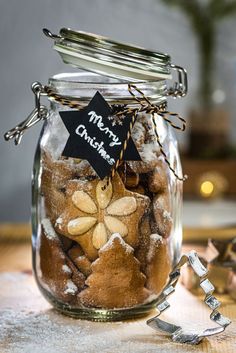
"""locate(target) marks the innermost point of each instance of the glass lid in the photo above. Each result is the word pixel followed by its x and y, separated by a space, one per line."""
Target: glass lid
pixel 104 56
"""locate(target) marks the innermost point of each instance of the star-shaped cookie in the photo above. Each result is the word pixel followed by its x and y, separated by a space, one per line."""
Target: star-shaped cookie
pixel 92 214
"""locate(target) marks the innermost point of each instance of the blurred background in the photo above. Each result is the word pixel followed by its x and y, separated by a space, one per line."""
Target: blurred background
pixel 200 35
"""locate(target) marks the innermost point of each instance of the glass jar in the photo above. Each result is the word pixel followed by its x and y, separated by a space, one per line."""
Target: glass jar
pixel 103 247
pixel 105 254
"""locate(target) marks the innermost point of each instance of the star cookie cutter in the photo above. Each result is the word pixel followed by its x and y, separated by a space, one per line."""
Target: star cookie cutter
pixel 177 332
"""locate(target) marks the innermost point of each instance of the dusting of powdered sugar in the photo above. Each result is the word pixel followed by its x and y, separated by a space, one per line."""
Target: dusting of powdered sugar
pixel 59 222
pixel 66 269
pixel 148 152
pixel 156 238
pixel 83 181
pixel 48 229
pixel 70 288
pixel 167 216
pixel 25 332
pixel 82 166
pixel 26 321
pixel 138 132
pixel 155 241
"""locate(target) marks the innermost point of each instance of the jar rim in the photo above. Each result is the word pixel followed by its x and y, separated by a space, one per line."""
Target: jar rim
pixel 83 85
pixel 69 77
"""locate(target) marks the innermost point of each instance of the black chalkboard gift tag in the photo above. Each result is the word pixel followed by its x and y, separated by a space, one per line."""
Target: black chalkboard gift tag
pixel 97 136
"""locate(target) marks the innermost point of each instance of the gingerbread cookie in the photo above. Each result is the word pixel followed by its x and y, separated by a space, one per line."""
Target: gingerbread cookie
pixel 55 175
pixel 162 215
pixel 116 280
pixel 158 178
pixel 145 141
pixel 150 136
pixel 93 213
pixel 144 242
pixel 149 155
pixel 58 272
pixel 138 132
pixel 158 264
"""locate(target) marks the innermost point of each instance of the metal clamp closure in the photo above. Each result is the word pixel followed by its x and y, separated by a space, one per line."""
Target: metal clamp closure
pixel 40 112
pixel 180 87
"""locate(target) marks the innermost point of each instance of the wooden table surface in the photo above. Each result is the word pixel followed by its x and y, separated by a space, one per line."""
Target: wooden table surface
pixel 29 324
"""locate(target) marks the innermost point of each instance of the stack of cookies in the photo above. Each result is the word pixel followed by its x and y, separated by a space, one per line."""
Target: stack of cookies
pixel 106 247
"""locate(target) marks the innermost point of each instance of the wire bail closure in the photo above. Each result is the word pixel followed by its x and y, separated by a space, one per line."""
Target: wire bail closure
pixel 39 113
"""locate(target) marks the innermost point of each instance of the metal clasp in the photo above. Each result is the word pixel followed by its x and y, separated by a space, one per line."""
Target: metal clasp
pixel 180 87
pixel 51 35
pixel 40 112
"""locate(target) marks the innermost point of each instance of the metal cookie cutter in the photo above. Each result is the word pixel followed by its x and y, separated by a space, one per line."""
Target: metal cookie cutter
pixel 177 333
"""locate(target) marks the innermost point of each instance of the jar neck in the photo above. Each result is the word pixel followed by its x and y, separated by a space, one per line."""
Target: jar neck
pixel 82 86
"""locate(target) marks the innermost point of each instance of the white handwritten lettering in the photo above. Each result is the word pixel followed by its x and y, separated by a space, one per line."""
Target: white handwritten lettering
pixel 82 132
pixel 97 119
